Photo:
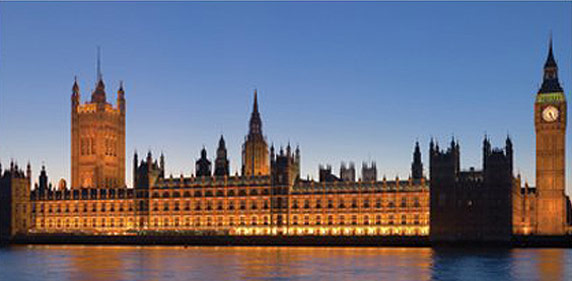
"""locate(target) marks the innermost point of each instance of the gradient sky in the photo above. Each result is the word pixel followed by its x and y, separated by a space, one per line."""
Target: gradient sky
pixel 345 81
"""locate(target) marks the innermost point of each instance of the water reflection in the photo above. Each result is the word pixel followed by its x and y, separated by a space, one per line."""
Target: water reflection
pixel 275 263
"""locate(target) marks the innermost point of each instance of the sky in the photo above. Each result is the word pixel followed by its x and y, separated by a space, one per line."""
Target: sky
pixel 344 81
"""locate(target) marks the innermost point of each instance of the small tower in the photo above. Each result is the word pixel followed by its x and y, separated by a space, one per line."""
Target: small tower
pixel 255 160
pixel 162 165
pixel 121 98
pixel 221 161
pixel 203 165
pixel 135 165
pixel 417 165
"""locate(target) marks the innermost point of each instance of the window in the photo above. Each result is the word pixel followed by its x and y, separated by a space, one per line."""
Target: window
pixel 295 204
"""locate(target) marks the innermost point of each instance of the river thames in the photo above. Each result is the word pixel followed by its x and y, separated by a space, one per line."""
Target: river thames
pixel 280 263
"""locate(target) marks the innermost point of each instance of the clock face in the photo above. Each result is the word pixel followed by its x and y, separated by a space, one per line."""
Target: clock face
pixel 550 114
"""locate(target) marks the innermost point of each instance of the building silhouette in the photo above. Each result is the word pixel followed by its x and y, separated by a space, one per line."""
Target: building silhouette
pixel 471 205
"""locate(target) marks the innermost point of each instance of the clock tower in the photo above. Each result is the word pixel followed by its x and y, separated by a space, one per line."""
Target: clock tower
pixel 550 126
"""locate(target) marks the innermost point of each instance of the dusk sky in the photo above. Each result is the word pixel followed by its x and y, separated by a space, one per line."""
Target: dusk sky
pixel 346 81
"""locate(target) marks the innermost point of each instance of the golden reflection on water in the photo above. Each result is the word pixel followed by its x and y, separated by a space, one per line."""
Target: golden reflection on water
pixel 281 263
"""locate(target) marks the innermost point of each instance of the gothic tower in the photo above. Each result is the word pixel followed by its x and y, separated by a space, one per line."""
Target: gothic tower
pixel 221 161
pixel 417 165
pixel 203 165
pixel 97 138
pixel 255 159
pixel 550 125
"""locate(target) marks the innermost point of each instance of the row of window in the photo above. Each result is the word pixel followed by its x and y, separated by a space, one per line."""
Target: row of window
pixel 354 203
pixel 218 205
pixel 82 207
pixel 241 221
pixel 210 193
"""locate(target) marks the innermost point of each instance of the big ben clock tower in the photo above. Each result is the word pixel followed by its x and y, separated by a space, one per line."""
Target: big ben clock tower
pixel 550 125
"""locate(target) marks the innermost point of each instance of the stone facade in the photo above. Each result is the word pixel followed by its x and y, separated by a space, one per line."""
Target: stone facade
pixel 97 139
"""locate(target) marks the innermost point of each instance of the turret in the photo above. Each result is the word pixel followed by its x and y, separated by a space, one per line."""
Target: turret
pixel 221 161
pixel 43 181
pixel 162 164
pixel 203 165
pixel 486 151
pixel 417 165
pixel 135 166
pixel 121 98
pixel 29 171
pixel 509 152
pixel 75 95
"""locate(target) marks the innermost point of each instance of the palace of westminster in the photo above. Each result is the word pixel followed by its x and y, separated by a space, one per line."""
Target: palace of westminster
pixel 270 198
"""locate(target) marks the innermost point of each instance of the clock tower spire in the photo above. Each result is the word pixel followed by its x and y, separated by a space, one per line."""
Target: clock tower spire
pixel 550 126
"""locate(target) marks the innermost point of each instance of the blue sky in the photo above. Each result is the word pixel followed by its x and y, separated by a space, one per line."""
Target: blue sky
pixel 345 81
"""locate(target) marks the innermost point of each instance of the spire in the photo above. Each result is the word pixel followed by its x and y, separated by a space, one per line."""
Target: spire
pixel 221 143
pixel 99 94
pixel 255 107
pixel 550 83
pixel 255 121
pixel 99 76
pixel 550 62
pixel 75 87
pixel 417 165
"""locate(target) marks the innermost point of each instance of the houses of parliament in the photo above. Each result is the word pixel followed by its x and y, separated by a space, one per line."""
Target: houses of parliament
pixel 269 197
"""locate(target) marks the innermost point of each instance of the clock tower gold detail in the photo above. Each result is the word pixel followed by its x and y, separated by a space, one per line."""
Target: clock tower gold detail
pixel 550 124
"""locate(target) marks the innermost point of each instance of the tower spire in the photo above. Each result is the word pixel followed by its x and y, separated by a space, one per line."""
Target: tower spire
pixel 255 121
pixel 255 107
pixel 99 76
pixel 550 83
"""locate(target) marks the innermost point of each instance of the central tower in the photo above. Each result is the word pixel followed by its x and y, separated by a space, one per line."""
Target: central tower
pixel 550 125
pixel 255 161
pixel 97 138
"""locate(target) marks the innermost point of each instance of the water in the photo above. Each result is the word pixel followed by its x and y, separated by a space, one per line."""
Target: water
pixel 274 263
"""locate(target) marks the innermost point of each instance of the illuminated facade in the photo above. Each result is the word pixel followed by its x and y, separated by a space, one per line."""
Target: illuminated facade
pixel 97 138
pixel 270 198
pixel 545 210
